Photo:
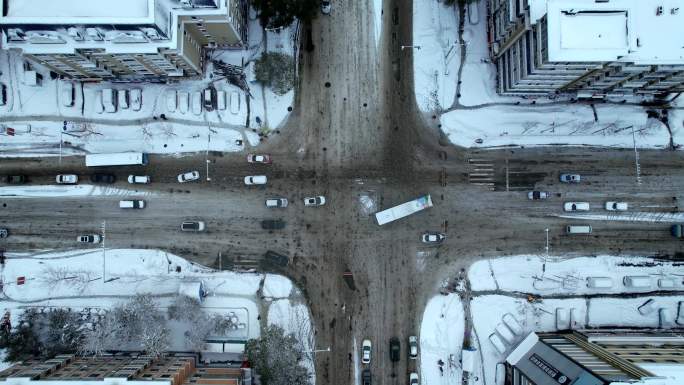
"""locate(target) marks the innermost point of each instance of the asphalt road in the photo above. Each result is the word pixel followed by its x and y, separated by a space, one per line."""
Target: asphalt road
pixel 356 131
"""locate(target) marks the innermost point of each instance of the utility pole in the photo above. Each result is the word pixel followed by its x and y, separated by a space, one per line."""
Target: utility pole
pixel 547 242
pixel 410 46
pixel 206 157
pixel 636 158
pixel 104 256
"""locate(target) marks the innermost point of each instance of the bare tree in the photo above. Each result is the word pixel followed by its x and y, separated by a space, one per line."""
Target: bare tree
pixel 184 308
pixel 76 279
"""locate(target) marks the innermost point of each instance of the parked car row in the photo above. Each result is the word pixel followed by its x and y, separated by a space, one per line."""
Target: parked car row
pixel 95 178
pixel 395 356
pixel 111 100
pixel 209 99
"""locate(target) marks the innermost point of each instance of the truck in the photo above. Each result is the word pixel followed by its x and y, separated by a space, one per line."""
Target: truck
pixel 116 159
pixel 403 210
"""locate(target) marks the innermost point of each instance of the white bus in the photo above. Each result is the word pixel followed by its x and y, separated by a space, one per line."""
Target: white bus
pixel 119 159
pixel 403 210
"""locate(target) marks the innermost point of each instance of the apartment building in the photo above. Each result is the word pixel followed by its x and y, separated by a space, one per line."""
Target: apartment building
pixel 121 39
pixel 590 48
pixel 597 358
pixel 118 369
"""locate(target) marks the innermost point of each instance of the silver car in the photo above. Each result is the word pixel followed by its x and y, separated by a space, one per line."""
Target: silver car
pixel 276 202
pixel 188 176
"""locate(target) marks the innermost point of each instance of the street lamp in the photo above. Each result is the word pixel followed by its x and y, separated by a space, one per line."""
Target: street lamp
pixel 547 242
pixel 104 257
pixel 206 157
pixel 410 46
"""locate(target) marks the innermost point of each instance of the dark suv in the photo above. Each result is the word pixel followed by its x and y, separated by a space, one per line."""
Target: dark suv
pixel 366 377
pixel 395 349
pixel 102 178
pixel 272 224
pixel 16 179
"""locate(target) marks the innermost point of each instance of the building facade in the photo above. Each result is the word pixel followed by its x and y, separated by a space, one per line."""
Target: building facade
pixel 597 358
pixel 122 39
pixel 116 369
pixel 592 48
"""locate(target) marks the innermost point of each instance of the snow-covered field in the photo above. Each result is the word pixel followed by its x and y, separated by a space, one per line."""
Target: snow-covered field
pixel 502 312
pixel 91 278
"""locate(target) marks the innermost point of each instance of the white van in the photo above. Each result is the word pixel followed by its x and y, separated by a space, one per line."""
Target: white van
pixel 109 100
pixel 132 204
pixel 578 229
pixel 637 281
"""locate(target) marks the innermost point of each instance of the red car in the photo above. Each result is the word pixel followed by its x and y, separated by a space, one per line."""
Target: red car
pixel 255 158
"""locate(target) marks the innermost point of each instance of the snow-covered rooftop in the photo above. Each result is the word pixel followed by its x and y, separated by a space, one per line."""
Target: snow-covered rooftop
pixel 643 32
pixel 78 11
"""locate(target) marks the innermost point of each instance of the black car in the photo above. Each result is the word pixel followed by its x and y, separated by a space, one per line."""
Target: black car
pixel 102 178
pixel 16 179
pixel 366 377
pixel 4 233
pixel 395 349
pixel 272 224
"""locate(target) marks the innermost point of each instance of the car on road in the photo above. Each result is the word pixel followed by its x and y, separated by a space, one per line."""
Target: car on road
pixel 102 178
pixel 138 179
pixel 394 349
pixel 273 224
pixel 366 347
pixel 576 206
pixel 413 347
pixel 256 158
pixel 413 379
pixel 195 226
pixel 188 176
pixel 276 202
pixel 366 377
pixel 616 206
pixel 16 179
pixel 132 204
pixel 314 201
pixel 66 179
pixel 255 179
pixel 4 233
pixel 326 7
pixel 89 238
pixel 570 178
pixel 537 195
pixel 433 237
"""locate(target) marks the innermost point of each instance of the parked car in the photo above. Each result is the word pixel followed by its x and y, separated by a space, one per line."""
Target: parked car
pixel 366 351
pixel 188 176
pixel 195 226
pixel 570 178
pixel 616 206
pixel 4 233
pixel 221 100
pixel 196 103
pixel 578 229
pixel 413 347
pixel 68 94
pixel 413 379
pixel 123 99
pixel 102 178
pixel 183 102
pixel 276 202
pixel 394 349
pixel 676 230
pixel 138 179
pixel 89 238
pixel 136 99
pixel 537 195
pixel 16 179
pixel 433 237
pixel 326 8
pixel 3 94
pixel 255 179
pixel 132 204
pixel 272 224
pixel 254 158
pixel 109 100
pixel 366 377
pixel 209 98
pixel 576 206
pixel 171 101
pixel 314 201
pixel 66 179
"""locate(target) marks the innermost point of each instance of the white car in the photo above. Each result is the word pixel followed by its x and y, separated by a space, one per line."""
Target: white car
pixel 132 204
pixel 136 99
pixel 433 237
pixel 67 179
pixel 255 158
pixel 413 347
pixel 413 379
pixel 68 94
pixel 255 179
pixel 576 206
pixel 183 101
pixel 89 238
pixel 171 101
pixel 276 202
pixel 196 103
pixel 616 206
pixel 123 99
pixel 194 226
pixel 366 351
pixel 188 176
pixel 314 201
pixel 138 179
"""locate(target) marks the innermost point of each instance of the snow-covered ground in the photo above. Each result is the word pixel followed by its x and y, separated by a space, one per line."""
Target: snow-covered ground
pixel 502 312
pixel 37 112
pixel 99 280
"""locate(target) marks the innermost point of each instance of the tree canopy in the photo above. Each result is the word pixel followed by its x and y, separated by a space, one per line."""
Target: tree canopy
pixel 281 13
